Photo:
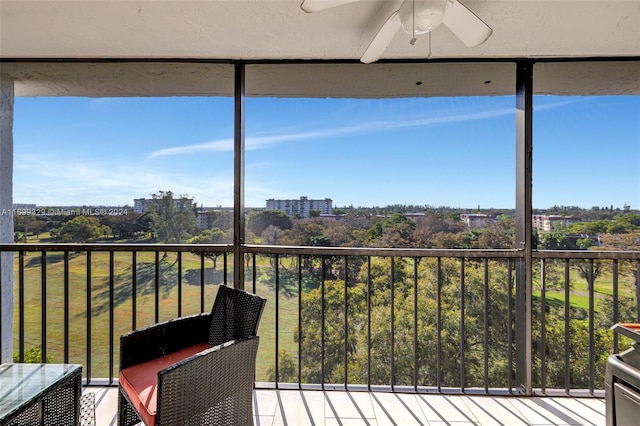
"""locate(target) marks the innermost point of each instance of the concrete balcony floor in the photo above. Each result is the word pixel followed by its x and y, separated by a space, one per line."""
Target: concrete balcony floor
pixel 311 407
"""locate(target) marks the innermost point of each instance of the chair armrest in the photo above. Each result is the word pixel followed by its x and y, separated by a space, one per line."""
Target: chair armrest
pixel 215 382
pixel 160 339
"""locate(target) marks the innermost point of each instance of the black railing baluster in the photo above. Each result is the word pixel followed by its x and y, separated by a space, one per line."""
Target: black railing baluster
pixel 510 319
pixel 2 302
pixel 416 260
pixel 156 286
pixel 254 273
pixel 462 324
pixel 486 325
pixel 134 288
pixel 616 313
pixel 592 355
pixel 543 326
pixel 638 291
pixel 66 305
pixel 567 327
pixel 392 356
pixel 322 316
pixel 299 318
pixel 111 316
pixel 369 323
pixel 346 322
pixel 439 325
pixel 89 313
pixel 179 283
pixel 276 259
pixel 43 311
pixel 202 278
pixel 21 306
pixel 225 269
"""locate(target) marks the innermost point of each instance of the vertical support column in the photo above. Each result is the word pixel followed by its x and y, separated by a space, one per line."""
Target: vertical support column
pixel 524 151
pixel 6 217
pixel 238 177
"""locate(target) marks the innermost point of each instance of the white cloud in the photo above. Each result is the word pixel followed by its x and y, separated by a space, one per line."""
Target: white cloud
pixel 65 181
pixel 261 142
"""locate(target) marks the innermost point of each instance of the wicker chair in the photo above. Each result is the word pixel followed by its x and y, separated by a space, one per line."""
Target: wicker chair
pixel 194 370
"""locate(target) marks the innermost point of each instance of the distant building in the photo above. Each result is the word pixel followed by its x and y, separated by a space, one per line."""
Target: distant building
pixel 204 219
pixel 547 223
pixel 414 217
pixel 301 207
pixel 477 220
pixel 140 205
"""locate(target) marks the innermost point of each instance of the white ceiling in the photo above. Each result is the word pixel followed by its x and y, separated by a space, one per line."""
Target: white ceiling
pixel 279 29
pixel 275 30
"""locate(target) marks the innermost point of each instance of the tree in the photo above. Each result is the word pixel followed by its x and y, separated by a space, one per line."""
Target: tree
pixel 394 231
pixel 82 229
pixel 221 219
pixel 345 233
pixel 260 221
pixel 432 224
pixel 304 233
pixel 345 333
pixel 590 271
pixel 173 219
pixel 30 224
pixel 271 235
pixel 498 235
pixel 209 236
pixel 585 243
pixel 130 225
pixel 627 241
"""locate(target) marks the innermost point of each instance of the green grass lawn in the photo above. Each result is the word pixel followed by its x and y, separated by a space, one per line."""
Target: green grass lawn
pixel 97 296
pixel 603 289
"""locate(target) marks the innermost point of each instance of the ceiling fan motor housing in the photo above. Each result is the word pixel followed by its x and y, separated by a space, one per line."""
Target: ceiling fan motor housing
pixel 421 16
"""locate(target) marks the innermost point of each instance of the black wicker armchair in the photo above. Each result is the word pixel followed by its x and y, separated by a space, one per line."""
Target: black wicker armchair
pixel 194 370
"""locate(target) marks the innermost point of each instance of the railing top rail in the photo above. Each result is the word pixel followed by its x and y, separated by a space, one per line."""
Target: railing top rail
pixel 75 247
pixel 383 252
pixel 586 254
pixel 322 251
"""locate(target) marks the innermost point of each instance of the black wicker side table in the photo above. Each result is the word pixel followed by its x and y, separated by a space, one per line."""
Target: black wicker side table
pixel 40 394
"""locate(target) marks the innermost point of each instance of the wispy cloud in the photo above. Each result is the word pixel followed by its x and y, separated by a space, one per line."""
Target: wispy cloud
pixel 211 146
pixel 262 142
pixel 254 143
pixel 56 180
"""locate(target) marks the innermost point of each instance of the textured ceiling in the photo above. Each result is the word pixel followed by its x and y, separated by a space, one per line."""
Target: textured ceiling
pixel 274 30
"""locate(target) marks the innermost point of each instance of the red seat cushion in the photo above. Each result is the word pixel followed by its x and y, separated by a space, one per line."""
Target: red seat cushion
pixel 140 381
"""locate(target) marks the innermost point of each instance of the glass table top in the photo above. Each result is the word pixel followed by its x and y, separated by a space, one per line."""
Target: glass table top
pixel 21 383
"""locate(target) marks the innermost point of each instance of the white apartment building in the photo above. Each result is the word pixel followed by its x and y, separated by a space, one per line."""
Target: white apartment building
pixel 477 220
pixel 140 205
pixel 301 207
pixel 546 223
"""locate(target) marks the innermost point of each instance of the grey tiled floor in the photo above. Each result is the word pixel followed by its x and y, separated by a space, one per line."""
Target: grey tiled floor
pixel 298 408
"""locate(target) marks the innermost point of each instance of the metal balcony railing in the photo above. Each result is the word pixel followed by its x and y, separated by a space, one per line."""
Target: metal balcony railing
pixel 412 320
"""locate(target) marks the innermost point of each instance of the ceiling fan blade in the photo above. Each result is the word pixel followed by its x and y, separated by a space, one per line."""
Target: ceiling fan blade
pixel 310 6
pixel 382 39
pixel 470 29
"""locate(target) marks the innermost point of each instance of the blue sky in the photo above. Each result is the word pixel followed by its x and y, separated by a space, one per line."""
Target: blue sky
pixel 457 152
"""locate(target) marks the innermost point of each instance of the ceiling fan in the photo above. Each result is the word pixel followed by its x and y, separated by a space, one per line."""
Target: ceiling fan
pixel 416 17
